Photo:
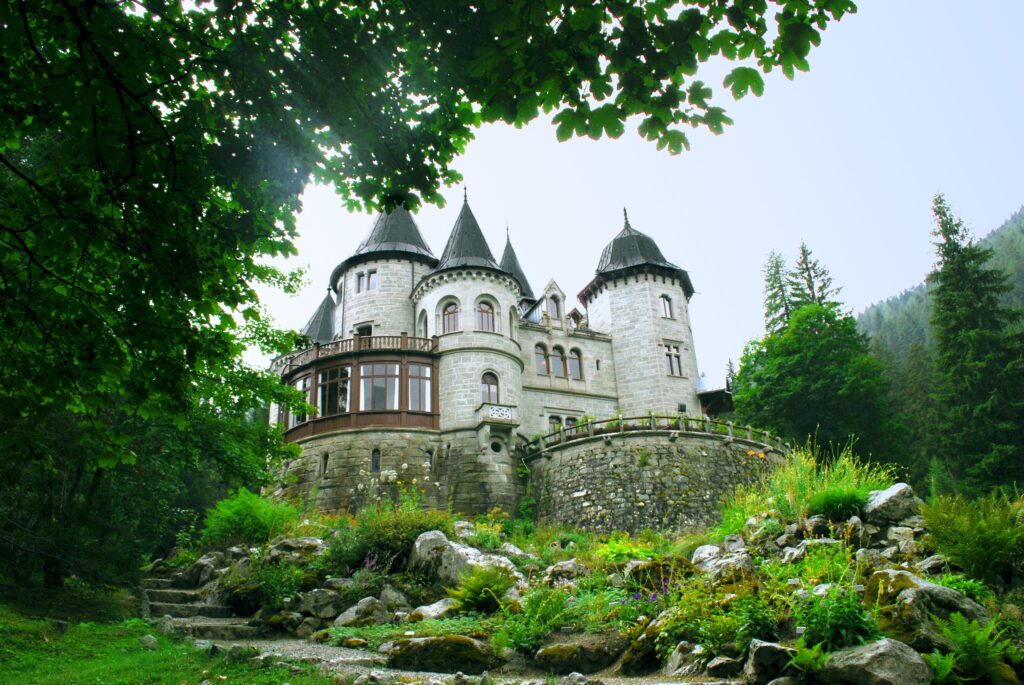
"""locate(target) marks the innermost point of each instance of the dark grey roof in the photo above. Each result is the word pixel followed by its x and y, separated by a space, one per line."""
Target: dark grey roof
pixel 630 251
pixel 510 263
pixel 631 248
pixel 320 328
pixel 466 245
pixel 394 232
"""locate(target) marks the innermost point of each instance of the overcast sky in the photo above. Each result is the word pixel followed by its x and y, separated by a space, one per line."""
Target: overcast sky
pixel 904 99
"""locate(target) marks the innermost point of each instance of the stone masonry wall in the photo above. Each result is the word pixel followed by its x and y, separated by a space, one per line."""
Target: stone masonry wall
pixel 661 480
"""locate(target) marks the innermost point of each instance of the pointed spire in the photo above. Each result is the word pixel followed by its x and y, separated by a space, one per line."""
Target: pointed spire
pixel 320 327
pixel 466 245
pixel 625 219
pixel 510 264
pixel 394 232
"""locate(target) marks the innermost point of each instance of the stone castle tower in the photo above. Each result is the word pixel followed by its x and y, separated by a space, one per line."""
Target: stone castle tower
pixel 435 371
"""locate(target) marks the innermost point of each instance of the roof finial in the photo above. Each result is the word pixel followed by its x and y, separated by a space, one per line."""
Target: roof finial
pixel 625 217
pixel 465 194
pixel 506 230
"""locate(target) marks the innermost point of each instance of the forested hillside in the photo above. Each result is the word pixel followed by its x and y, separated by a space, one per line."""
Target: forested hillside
pixel 896 324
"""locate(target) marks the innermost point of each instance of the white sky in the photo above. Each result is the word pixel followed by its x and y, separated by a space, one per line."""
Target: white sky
pixel 904 99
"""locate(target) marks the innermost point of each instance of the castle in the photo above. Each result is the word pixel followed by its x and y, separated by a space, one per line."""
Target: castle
pixel 436 371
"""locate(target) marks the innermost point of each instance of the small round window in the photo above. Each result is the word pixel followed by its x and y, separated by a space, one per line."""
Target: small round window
pixel 496 446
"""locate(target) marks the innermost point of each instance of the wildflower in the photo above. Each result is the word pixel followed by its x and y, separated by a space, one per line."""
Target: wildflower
pixel 654 597
pixel 750 453
pixel 637 596
pixel 760 455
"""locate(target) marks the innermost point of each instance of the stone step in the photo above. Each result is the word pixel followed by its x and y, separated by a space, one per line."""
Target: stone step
pixel 226 629
pixel 175 610
pixel 174 596
pixel 156 583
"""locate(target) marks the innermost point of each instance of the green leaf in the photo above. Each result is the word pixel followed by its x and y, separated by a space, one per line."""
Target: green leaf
pixel 743 79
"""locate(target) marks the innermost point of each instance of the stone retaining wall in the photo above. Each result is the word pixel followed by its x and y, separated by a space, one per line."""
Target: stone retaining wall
pixel 662 479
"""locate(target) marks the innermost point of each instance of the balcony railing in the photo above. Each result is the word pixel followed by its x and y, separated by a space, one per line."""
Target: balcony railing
pixel 359 343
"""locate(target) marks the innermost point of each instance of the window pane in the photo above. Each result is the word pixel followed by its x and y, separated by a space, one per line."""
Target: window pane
pixel 558 363
pixel 419 387
pixel 540 357
pixel 575 366
pixel 485 318
pixel 372 283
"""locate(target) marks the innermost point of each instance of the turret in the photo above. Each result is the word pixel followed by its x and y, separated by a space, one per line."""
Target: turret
pixel 374 284
pixel 641 300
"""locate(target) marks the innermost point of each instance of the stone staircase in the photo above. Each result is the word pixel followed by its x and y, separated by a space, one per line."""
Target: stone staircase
pixel 189 612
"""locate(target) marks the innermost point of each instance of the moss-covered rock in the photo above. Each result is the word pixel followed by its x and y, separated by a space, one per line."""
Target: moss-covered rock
pixel 442 654
pixel 582 654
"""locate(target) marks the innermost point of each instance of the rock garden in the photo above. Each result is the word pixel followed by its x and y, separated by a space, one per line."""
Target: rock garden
pixel 822 573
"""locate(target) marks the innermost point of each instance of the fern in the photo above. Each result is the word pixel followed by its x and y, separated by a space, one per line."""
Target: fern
pixel 942 666
pixel 978 649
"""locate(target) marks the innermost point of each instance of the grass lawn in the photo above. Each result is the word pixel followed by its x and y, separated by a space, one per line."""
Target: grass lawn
pixel 39 652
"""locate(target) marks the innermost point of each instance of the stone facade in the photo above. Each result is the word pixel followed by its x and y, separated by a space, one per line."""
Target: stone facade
pixel 658 479
pixel 500 368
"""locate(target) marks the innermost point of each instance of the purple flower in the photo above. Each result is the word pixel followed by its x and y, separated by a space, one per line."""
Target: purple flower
pixel 654 597
pixel 637 596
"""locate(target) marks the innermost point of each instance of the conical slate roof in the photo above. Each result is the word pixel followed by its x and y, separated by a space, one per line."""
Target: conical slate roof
pixel 510 264
pixel 466 245
pixel 320 328
pixel 394 232
pixel 631 248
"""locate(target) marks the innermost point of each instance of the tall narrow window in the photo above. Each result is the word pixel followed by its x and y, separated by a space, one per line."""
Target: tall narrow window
pixel 324 458
pixel 554 307
pixel 375 461
pixel 333 391
pixel 423 324
pixel 558 362
pixel 485 317
pixel 450 318
pixel 666 307
pixel 540 359
pixel 674 360
pixel 554 423
pixel 575 365
pixel 489 388
pixel 570 425
pixel 419 387
pixel 305 386
pixel 379 389
pixel 371 280
pixel 360 281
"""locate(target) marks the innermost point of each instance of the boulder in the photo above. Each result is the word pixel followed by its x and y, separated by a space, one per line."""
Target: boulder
pixel 369 611
pixel 657 576
pixel 199 573
pixel 574 679
pixel 817 526
pixel 686 659
pixel 767 661
pixel 394 600
pixel 322 603
pixel 704 554
pixel 340 585
pixel 640 658
pixel 886 662
pixel 442 608
pixel 463 529
pixel 585 654
pixel 245 599
pixel 728 568
pixel 724 667
pixel 905 604
pixel 295 550
pixel 565 572
pixel 891 505
pixel 285 621
pixel 308 627
pixel 448 560
pixel 149 642
pixel 734 543
pixel 510 550
pixel 936 563
pixel 444 654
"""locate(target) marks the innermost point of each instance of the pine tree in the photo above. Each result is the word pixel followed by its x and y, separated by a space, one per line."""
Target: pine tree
pixel 777 305
pixel 980 362
pixel 809 282
pixel 730 374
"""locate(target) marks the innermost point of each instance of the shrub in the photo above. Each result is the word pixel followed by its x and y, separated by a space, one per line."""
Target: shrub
pixel 713 618
pixel 245 518
pixel 486 536
pixel 481 589
pixel 543 610
pixel 978 650
pixel 980 536
pixel 365 582
pixel 620 548
pixel 279 581
pixel 942 666
pixel 835 619
pixel 755 619
pixel 801 485
pixel 975 589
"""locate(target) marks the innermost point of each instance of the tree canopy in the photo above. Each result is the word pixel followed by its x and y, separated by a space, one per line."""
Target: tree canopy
pixel 152 155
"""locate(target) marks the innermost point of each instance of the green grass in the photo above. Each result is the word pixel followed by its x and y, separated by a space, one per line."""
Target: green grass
pixel 474 626
pixel 34 651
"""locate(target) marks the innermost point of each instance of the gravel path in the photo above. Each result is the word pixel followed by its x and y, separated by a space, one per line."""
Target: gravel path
pixel 342 660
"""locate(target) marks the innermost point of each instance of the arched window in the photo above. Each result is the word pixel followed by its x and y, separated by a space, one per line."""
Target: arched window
pixel 375 461
pixel 554 307
pixel 450 318
pixel 575 365
pixel 485 317
pixel 540 359
pixel 558 362
pixel 422 327
pixel 666 307
pixel 489 388
pixel 554 423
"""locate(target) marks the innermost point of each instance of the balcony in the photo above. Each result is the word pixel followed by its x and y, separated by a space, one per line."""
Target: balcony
pixel 497 414
pixel 365 343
